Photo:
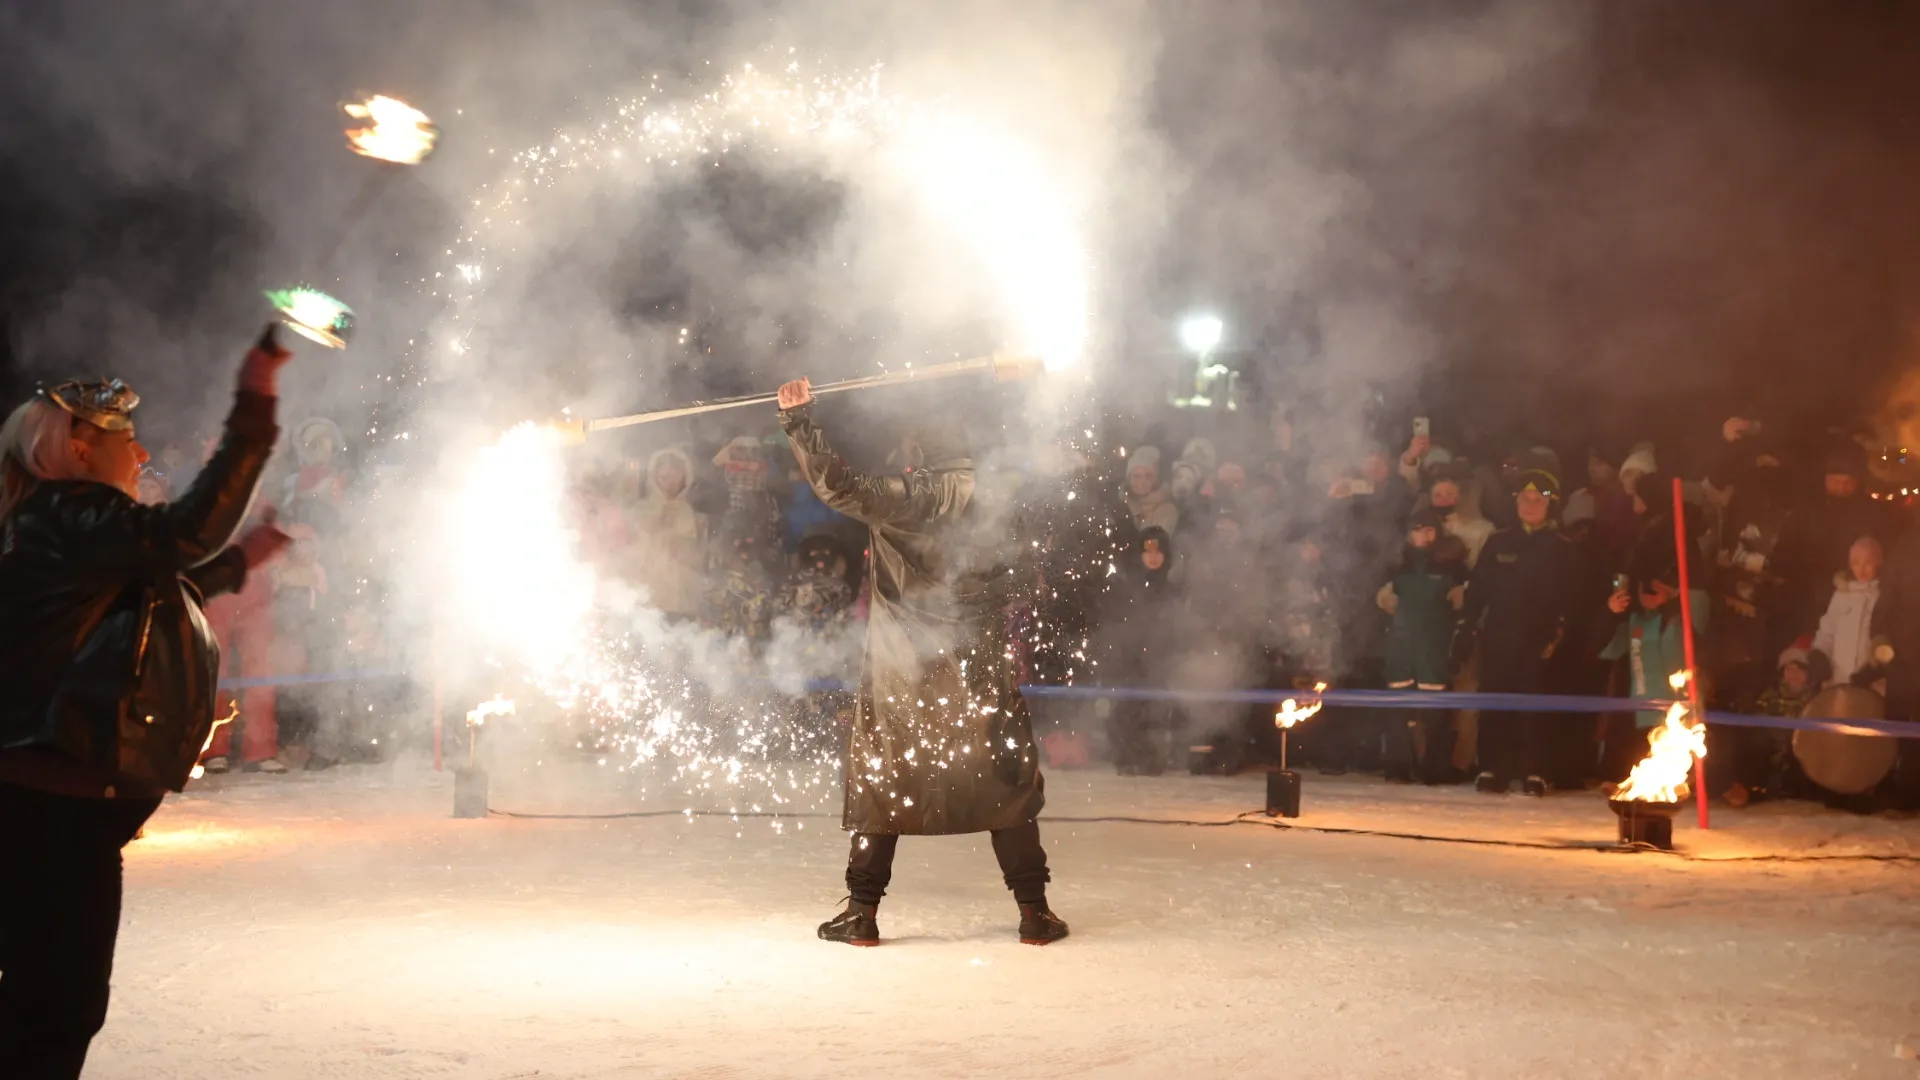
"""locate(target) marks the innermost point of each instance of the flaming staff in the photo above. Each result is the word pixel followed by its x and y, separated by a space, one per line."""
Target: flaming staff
pixel 1005 368
pixel 387 130
pixel 1283 787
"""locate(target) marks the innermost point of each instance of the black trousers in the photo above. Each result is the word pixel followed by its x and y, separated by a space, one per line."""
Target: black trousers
pixel 1513 745
pixel 1023 863
pixel 59 915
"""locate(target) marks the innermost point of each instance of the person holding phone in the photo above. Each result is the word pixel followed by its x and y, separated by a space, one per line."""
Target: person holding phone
pixel 109 675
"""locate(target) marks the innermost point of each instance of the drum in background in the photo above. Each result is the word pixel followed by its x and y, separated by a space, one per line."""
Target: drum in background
pixel 1845 764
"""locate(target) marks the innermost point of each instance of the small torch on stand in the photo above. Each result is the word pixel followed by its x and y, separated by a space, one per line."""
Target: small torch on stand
pixel 387 130
pixel 1653 794
pixel 1283 786
pixel 470 783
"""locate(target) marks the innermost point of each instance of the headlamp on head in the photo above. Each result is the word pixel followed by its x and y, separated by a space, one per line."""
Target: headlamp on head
pixel 1540 482
pixel 107 404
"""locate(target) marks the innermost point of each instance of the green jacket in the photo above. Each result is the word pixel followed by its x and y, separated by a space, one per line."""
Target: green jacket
pixel 1654 645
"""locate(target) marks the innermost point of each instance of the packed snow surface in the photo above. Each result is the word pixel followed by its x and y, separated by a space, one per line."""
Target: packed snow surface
pixel 343 924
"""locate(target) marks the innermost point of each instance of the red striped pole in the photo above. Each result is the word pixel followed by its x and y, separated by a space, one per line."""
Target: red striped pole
pixel 1686 630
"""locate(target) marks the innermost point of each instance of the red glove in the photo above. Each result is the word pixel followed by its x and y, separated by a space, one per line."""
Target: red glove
pixel 259 372
pixel 262 543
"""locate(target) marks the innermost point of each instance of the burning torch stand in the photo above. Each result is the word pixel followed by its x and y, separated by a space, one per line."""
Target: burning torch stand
pixel 1283 786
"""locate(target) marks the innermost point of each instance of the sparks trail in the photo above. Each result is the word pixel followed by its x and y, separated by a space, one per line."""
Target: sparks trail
pixel 985 194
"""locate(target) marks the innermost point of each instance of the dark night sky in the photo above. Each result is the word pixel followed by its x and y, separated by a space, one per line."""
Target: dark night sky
pixel 1683 210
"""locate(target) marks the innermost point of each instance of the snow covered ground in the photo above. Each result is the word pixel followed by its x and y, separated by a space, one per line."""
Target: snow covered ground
pixel 345 925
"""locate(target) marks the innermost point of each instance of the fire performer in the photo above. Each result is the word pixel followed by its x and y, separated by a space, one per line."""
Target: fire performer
pixel 941 742
pixel 109 673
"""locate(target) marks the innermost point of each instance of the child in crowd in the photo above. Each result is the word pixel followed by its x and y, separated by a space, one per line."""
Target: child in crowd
pixel 1422 598
pixel 1846 635
pixel 1745 764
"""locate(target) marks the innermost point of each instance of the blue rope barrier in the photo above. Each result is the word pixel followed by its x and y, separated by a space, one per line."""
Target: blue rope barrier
pixel 1370 699
pixel 1488 702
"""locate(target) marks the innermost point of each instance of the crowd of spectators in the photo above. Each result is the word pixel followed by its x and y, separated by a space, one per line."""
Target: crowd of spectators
pixel 1426 567
pixel 1247 559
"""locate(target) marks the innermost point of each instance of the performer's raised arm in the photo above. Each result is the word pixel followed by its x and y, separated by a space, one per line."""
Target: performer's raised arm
pixel 870 500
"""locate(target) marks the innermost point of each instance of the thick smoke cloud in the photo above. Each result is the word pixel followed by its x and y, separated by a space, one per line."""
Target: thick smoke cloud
pixel 1567 218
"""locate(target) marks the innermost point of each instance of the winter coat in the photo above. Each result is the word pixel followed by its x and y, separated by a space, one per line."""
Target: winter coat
pixel 1362 540
pixel 1846 630
pixel 941 741
pixel 105 655
pixel 1654 644
pixel 1746 591
pixel 1420 638
pixel 1139 619
pixel 1154 510
pixel 669 561
pixel 1813 546
pixel 1519 598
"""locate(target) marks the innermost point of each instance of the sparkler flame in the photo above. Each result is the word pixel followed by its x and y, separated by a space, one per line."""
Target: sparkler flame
pixel 389 129
pixel 519 584
pixel 313 315
pixel 1292 712
pixel 1662 775
pixel 497 706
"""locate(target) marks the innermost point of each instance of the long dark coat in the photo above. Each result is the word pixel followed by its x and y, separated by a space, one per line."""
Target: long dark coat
pixel 105 655
pixel 941 742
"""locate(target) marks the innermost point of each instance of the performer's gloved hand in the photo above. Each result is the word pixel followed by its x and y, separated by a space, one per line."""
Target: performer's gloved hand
pixel 264 542
pixel 260 371
pixel 795 394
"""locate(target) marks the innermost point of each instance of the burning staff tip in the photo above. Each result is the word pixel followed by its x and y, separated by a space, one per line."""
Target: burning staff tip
pixel 565 431
pixel 313 315
pixel 1008 367
pixel 388 129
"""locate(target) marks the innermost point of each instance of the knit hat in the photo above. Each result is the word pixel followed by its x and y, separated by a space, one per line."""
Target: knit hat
pixel 1427 518
pixel 1438 457
pixel 1640 460
pixel 1146 457
pixel 1539 480
pixel 1800 652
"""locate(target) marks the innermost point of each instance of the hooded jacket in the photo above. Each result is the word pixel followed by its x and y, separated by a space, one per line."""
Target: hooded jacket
pixel 1846 630
pixel 1139 619
pixel 1155 509
pixel 670 559
pixel 106 662
pixel 941 741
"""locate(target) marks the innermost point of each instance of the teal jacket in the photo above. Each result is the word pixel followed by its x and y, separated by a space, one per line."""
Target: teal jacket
pixel 1654 645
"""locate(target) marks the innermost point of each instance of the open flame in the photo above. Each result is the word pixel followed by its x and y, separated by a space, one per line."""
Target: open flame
pixel 1672 747
pixel 1292 712
pixel 499 706
pixel 390 130
pixel 233 713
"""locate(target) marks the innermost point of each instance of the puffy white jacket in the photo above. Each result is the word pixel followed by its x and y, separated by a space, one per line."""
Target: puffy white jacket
pixel 1846 630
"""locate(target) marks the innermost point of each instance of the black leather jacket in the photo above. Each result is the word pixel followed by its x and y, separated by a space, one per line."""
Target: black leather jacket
pixel 106 660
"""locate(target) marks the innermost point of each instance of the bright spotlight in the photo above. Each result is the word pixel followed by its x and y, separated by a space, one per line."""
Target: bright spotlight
pixel 1201 333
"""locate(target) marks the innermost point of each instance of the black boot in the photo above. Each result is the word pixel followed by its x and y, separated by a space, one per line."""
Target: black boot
pixel 1039 925
pixel 854 926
